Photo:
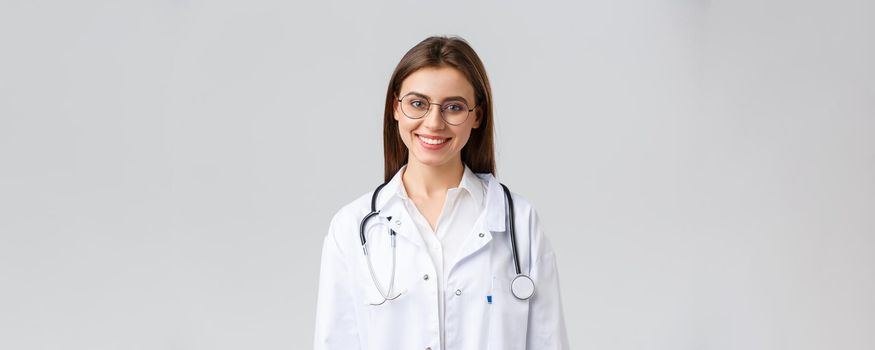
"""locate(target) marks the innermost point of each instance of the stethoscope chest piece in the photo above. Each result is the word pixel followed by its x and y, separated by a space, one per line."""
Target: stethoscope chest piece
pixel 522 287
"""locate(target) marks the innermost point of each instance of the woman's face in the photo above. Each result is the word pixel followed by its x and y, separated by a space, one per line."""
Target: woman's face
pixel 443 142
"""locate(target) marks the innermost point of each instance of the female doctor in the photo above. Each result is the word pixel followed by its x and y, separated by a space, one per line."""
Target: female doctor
pixel 442 255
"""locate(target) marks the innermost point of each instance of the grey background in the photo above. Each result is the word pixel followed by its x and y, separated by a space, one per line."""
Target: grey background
pixel 705 169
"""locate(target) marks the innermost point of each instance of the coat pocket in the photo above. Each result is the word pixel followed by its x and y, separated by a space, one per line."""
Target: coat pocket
pixel 508 316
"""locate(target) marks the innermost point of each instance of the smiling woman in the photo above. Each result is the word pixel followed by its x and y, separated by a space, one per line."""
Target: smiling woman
pixel 435 137
pixel 439 70
pixel 441 255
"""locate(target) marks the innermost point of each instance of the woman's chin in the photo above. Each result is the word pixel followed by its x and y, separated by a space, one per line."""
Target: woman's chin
pixel 432 160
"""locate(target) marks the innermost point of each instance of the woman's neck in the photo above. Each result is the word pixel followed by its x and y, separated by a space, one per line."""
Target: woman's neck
pixel 423 181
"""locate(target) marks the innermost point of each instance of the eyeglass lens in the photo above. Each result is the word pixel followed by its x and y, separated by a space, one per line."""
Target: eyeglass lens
pixel 415 107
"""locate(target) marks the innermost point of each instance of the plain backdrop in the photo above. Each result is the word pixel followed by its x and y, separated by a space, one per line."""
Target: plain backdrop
pixel 704 169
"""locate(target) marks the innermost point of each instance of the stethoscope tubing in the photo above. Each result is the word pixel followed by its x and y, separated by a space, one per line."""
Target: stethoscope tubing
pixel 373 212
pixel 527 285
pixel 509 218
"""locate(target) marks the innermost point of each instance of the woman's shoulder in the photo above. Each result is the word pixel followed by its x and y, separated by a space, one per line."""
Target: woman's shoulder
pixel 521 203
pixel 526 214
pixel 343 227
pixel 355 209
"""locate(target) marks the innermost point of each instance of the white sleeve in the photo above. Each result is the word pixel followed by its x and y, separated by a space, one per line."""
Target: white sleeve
pixel 546 318
pixel 336 326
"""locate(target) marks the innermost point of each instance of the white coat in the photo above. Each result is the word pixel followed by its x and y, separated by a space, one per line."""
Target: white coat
pixel 346 320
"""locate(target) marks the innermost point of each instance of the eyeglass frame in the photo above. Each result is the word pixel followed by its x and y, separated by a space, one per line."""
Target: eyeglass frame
pixel 440 110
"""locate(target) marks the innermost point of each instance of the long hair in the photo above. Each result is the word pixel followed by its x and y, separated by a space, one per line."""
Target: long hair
pixel 441 51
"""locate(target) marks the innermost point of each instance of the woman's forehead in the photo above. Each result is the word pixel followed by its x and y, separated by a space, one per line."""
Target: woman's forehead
pixel 438 83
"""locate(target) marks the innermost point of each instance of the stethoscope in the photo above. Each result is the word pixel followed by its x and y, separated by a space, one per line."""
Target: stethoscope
pixel 522 285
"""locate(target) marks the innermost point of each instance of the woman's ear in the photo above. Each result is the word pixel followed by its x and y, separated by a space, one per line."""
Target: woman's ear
pixel 477 118
pixel 395 109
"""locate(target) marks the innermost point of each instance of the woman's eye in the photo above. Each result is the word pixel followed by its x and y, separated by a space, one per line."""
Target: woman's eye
pixel 416 103
pixel 454 108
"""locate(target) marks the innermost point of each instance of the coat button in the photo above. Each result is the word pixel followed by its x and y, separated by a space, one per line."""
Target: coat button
pixel 425 277
pixel 481 234
pixel 458 292
pixel 428 348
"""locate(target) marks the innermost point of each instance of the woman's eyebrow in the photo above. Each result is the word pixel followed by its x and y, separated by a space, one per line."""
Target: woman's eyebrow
pixel 451 98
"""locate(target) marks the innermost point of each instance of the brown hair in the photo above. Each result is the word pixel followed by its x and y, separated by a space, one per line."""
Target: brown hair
pixel 440 51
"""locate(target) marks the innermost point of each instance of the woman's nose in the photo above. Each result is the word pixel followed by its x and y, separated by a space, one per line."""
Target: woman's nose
pixel 433 119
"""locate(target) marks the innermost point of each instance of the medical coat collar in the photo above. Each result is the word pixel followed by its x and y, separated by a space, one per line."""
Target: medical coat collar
pixel 389 202
pixel 470 182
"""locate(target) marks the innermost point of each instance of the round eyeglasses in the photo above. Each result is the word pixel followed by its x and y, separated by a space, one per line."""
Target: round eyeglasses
pixel 453 111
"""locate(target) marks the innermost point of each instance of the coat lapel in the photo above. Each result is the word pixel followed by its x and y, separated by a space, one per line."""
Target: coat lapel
pixel 400 221
pixel 490 224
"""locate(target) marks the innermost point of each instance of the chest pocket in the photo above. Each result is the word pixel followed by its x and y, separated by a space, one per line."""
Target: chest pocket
pixel 508 316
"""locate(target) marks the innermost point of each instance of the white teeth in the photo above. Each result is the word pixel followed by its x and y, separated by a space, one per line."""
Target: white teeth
pixel 432 141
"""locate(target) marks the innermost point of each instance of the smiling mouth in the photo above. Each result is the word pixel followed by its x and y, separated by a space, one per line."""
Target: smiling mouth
pixel 433 141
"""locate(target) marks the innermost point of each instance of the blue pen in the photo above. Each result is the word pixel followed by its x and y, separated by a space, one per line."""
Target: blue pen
pixel 491 287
